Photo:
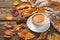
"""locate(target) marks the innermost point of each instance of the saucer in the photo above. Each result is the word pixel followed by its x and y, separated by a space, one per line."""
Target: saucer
pixel 38 29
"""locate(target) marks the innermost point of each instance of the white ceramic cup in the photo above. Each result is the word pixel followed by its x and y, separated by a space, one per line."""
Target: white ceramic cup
pixel 40 23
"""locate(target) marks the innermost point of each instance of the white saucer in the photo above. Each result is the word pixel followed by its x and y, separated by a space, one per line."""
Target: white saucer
pixel 35 28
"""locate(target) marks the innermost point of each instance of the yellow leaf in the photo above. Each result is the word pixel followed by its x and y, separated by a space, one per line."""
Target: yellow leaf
pixel 41 10
pixel 22 6
pixel 9 17
pixel 15 2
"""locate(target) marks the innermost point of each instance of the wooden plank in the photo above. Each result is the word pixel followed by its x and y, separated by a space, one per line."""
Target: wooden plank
pixel 6 3
pixel 4 12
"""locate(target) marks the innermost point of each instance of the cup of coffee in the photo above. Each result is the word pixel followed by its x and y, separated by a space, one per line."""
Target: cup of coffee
pixel 38 22
pixel 38 19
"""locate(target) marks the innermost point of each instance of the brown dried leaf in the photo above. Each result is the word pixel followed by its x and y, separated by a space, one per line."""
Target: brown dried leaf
pixel 22 33
pixel 55 5
pixel 42 36
pixel 10 32
pixel 29 36
pixel 53 36
pixel 17 27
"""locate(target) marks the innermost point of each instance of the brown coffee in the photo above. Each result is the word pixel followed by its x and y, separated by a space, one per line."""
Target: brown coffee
pixel 38 19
